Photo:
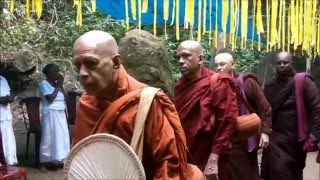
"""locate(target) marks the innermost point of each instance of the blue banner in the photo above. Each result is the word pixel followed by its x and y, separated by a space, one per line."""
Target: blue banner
pixel 116 9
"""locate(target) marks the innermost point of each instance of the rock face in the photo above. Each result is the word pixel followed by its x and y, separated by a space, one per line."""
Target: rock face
pixel 146 59
pixel 23 70
pixel 17 65
pixel 19 60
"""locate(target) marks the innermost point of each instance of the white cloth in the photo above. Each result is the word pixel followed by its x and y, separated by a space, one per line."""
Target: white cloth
pixel 5 111
pixel 55 143
pixel 8 142
pixel 44 89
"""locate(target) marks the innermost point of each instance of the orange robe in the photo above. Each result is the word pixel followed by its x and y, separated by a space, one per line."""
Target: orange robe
pixel 165 151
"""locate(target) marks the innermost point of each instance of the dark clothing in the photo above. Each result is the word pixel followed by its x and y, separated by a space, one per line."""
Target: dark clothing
pixel 244 164
pixel 285 158
pixel 258 102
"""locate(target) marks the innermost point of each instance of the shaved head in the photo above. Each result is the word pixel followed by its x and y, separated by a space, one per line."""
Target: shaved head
pixel 190 54
pixel 284 67
pixel 100 41
pixel 96 58
pixel 284 55
pixel 224 62
pixel 195 46
pixel 224 56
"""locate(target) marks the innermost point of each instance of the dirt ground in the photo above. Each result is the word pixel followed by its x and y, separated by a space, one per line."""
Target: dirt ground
pixel 311 172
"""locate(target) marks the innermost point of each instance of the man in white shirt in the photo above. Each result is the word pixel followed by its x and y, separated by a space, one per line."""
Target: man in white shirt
pixel 8 138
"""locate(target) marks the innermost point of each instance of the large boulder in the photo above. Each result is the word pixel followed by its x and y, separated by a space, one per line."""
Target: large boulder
pixel 17 65
pixel 145 58
pixel 20 60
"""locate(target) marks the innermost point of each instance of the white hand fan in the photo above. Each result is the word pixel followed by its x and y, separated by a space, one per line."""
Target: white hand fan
pixel 103 156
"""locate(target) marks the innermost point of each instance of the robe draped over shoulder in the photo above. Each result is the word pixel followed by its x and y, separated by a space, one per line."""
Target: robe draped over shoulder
pixel 285 158
pixel 244 151
pixel 208 115
pixel 165 150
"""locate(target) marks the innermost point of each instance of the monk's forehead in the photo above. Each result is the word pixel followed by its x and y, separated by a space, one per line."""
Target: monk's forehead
pixel 192 46
pixel 284 56
pixel 96 46
pixel 223 57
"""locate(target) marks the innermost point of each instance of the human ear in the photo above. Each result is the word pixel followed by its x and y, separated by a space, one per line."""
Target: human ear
pixel 232 65
pixel 116 61
pixel 201 59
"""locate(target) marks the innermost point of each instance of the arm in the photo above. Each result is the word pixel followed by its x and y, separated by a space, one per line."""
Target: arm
pixel 225 104
pixel 312 103
pixel 226 113
pixel 51 97
pixel 168 153
pixel 58 87
pixel 259 103
pixel 47 92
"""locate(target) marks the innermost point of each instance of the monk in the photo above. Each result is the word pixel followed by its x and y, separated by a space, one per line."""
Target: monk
pixel 110 104
pixel 243 156
pixel 285 157
pixel 208 115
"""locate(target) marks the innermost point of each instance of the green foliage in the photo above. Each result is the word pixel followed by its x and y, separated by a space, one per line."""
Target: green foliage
pixel 19 31
pixel 61 41
pixel 53 35
pixel 246 59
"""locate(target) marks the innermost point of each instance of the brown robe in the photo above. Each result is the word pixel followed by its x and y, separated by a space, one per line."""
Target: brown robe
pixel 208 117
pixel 285 158
pixel 244 164
pixel 165 151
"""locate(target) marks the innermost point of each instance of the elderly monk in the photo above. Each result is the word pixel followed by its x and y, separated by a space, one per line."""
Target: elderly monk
pixel 208 115
pixel 110 104
pixel 285 157
pixel 243 156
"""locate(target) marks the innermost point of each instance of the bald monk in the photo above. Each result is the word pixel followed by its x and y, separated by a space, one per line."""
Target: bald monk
pixel 285 157
pixel 243 156
pixel 110 104
pixel 208 115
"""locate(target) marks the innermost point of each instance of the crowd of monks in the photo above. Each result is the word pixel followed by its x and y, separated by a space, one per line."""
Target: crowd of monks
pixel 196 136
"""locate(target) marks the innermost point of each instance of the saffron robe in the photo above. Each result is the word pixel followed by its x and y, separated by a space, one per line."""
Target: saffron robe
pixel 164 152
pixel 244 164
pixel 208 117
pixel 285 158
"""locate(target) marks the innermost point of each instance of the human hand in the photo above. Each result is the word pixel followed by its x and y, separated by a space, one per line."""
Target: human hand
pixel 311 144
pixel 59 81
pixel 264 140
pixel 211 169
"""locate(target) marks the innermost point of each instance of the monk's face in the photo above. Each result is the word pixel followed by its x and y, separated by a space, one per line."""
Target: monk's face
pixel 189 59
pixel 223 64
pixel 95 67
pixel 284 65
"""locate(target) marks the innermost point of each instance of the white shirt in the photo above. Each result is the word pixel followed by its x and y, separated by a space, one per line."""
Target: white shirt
pixel 44 89
pixel 5 111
